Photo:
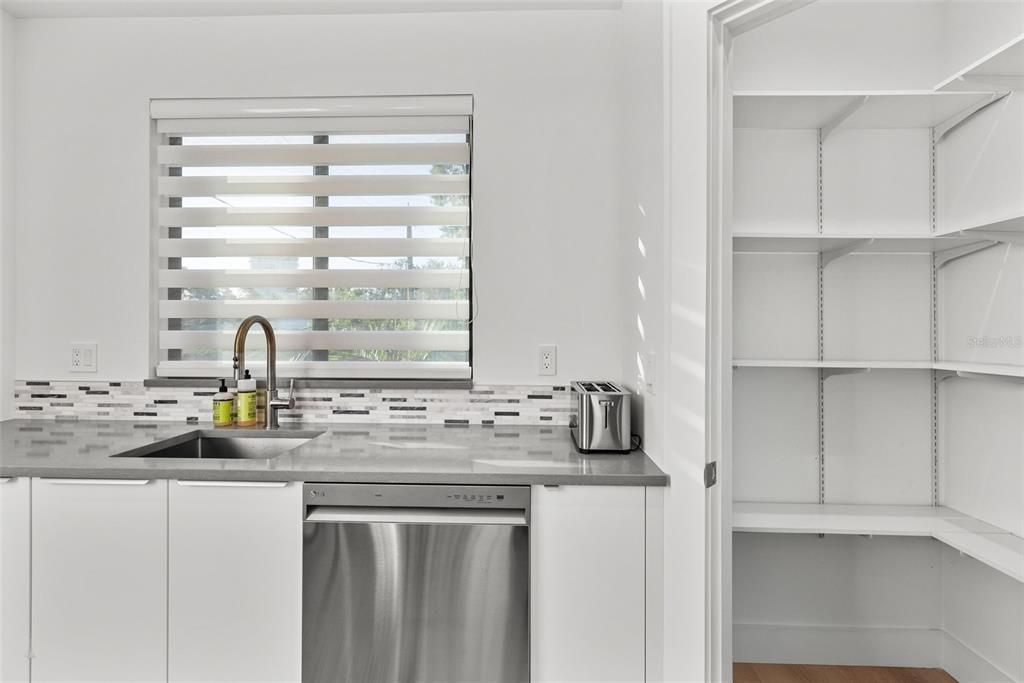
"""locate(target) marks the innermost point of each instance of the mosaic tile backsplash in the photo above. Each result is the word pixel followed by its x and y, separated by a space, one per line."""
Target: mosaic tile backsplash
pixel 486 405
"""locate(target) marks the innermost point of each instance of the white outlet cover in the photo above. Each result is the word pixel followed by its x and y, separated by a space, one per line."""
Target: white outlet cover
pixel 547 360
pixel 83 357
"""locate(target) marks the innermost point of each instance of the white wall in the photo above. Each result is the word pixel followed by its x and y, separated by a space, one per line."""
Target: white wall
pixel 644 277
pixel 546 168
pixel 664 205
pixel 851 45
pixel 974 28
pixel 685 409
pixel 6 211
pixel 983 617
pixel 837 599
pixel 644 237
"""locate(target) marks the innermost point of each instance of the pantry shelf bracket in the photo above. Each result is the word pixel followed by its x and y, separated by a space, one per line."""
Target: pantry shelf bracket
pixel 943 375
pixel 947 256
pixel 965 115
pixel 831 255
pixel 832 372
pixel 844 114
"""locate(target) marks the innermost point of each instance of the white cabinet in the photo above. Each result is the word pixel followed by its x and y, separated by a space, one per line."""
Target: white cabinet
pixel 99 580
pixel 15 530
pixel 235 581
pixel 587 583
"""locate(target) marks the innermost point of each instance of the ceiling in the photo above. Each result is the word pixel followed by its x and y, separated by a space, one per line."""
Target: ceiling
pixel 212 8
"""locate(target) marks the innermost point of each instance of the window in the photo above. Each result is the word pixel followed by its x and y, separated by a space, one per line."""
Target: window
pixel 344 221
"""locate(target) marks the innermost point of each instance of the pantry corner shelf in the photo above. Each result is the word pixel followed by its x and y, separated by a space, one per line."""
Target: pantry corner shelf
pixel 961 368
pixel 993 369
pixel 1006 230
pixel 1000 70
pixel 831 110
pixel 780 243
pixel 984 542
pixel 834 364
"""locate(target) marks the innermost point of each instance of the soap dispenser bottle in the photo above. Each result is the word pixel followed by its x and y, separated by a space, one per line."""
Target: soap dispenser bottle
pixel 223 406
pixel 247 401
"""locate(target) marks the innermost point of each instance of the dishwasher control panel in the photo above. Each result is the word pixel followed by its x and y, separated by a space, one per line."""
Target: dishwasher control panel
pixel 418 496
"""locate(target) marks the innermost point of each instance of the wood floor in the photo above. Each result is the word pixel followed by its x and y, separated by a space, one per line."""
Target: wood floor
pixel 806 673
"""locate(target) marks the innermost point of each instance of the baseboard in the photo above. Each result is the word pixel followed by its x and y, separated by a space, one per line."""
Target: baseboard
pixel 841 645
pixel 967 666
pixel 864 646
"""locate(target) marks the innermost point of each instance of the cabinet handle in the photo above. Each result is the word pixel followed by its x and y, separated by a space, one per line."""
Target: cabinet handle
pixel 106 482
pixel 391 515
pixel 234 484
pixel 4 480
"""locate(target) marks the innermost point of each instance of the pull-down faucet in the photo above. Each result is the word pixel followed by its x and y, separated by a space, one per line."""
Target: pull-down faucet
pixel 273 402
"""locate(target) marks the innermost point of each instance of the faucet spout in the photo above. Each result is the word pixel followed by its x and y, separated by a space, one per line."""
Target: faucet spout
pixel 273 404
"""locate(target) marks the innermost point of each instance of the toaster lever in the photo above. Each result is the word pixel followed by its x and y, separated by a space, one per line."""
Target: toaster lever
pixel 607 407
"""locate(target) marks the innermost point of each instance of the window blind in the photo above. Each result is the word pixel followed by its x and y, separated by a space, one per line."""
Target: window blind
pixel 344 221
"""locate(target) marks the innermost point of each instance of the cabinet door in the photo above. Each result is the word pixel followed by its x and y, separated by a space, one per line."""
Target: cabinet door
pixel 587 583
pixel 235 588
pixel 14 578
pixel 99 580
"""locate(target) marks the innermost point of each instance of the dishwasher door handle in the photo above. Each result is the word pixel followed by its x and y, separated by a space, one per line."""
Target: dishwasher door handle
pixel 403 515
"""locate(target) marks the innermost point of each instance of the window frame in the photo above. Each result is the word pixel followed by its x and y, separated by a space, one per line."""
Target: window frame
pixel 238 108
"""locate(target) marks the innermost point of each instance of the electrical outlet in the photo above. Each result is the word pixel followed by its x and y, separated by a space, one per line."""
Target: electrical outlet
pixel 547 360
pixel 83 357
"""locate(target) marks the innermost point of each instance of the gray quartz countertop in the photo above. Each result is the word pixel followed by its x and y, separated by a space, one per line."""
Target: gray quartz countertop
pixel 432 454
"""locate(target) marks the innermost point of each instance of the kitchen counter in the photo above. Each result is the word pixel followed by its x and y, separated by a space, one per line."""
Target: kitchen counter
pixel 407 454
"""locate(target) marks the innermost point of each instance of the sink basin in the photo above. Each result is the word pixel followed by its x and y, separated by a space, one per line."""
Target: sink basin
pixel 225 445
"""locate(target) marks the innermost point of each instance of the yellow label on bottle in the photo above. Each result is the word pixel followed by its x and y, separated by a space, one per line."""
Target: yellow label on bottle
pixel 246 408
pixel 222 413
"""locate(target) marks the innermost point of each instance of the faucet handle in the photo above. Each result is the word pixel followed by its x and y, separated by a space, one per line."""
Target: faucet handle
pixel 291 393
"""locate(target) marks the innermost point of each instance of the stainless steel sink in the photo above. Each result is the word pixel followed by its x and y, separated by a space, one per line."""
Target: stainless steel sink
pixel 225 445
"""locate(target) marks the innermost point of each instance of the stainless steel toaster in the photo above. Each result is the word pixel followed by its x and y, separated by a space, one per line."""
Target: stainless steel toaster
pixel 600 418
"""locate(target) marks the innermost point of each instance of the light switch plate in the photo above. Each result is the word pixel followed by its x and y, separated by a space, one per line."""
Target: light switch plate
pixel 83 357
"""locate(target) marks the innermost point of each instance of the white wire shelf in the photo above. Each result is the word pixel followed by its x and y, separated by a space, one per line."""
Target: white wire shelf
pixel 829 110
pixel 1000 70
pixel 984 542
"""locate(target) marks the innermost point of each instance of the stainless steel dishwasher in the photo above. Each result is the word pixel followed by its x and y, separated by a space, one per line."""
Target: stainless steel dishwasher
pixel 415 584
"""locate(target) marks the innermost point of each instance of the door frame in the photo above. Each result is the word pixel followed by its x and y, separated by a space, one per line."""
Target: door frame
pixel 726 21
